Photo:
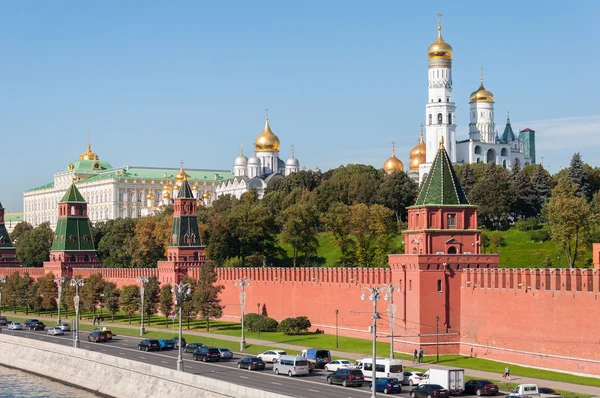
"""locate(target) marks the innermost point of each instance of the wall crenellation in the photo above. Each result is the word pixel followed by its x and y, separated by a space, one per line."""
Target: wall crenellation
pixel 371 276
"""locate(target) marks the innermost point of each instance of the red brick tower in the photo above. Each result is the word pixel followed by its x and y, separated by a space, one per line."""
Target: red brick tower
pixel 8 254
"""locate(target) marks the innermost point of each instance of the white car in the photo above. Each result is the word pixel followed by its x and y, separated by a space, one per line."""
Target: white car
pixel 339 364
pixel 65 327
pixel 15 326
pixel 55 331
pixel 412 378
pixel 271 356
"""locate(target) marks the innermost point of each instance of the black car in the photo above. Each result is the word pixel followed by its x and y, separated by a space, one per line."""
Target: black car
pixel 176 340
pixel 30 322
pixel 192 347
pixel 97 336
pixel 429 391
pixel 205 354
pixel 547 390
pixel 346 377
pixel 481 387
pixel 149 345
pixel 37 326
pixel 251 364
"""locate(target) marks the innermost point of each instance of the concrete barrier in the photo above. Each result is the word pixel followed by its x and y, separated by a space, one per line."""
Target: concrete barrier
pixel 114 376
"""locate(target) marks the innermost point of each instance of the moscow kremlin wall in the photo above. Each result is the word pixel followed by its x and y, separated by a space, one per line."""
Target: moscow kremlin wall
pixel 547 318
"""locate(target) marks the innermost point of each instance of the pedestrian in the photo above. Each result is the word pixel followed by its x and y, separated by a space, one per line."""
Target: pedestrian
pixel 507 373
pixel 415 356
pixel 421 355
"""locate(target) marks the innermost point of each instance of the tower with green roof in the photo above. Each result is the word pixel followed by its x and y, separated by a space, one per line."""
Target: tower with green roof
pixel 8 254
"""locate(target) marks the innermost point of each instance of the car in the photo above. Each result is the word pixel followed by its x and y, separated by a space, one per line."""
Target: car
pixel 37 326
pixel 149 345
pixel 166 344
pixel 225 353
pixel 106 331
pixel 176 340
pixel 15 326
pixel 55 331
pixel 251 363
pixel 3 321
pixel 97 336
pixel 65 327
pixel 192 347
pixel 481 387
pixel 346 377
pixel 412 378
pixel 271 356
pixel 428 391
pixel 387 385
pixel 549 391
pixel 30 322
pixel 205 354
pixel 338 364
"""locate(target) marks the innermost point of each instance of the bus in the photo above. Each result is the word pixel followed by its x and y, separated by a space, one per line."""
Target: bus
pixel 384 367
pixel 291 365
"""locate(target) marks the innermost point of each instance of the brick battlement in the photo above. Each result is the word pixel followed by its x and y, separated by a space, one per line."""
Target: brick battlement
pixel 371 276
pixel 34 272
pixel 440 262
pixel 575 280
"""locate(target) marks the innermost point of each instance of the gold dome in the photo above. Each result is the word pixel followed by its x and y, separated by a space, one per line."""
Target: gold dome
pixel 439 48
pixel 182 175
pixel 417 155
pixel 393 163
pixel 167 187
pixel 195 187
pixel 206 195
pixel 88 154
pixel 167 195
pixel 481 95
pixel 150 196
pixel 267 141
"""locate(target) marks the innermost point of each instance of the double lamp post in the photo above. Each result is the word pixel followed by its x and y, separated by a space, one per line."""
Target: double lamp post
pixel 181 290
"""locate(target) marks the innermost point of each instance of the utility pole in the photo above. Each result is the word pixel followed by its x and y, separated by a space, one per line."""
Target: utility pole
pixel 243 283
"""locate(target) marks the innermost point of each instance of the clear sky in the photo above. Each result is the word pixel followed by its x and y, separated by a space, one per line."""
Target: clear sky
pixel 170 80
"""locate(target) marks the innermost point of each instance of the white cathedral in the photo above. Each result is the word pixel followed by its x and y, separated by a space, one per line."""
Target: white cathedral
pixel 261 169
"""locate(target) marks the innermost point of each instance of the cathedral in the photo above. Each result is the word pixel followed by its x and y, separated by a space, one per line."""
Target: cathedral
pixel 261 169
pixel 484 144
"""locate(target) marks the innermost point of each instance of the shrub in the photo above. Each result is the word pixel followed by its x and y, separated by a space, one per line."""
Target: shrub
pixel 268 324
pixel 254 323
pixel 529 224
pixel 251 321
pixel 294 325
pixel 496 239
pixel 540 235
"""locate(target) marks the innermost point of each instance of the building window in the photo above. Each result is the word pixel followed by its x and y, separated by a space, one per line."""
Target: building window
pixel 430 118
pixel 440 117
pixel 439 285
pixel 451 221
pixel 452 250
pixel 449 118
pixel 410 285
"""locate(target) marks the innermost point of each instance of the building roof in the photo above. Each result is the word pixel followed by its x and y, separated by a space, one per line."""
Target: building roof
pixel 527 130
pixel 13 217
pixel 185 192
pixel 441 186
pixel 508 134
pixel 72 195
pixel 88 165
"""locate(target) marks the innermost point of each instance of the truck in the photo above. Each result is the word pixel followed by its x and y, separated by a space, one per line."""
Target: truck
pixel 530 391
pixel 317 357
pixel 452 380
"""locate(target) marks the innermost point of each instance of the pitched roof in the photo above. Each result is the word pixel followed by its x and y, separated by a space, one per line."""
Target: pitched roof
pixel 72 196
pixel 185 192
pixel 441 186
pixel 508 134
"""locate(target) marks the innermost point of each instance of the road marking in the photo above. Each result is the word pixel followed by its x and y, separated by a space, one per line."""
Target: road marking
pixel 244 377
pixel 142 357
pixel 278 384
pixel 164 362
pixel 102 349
pixel 313 390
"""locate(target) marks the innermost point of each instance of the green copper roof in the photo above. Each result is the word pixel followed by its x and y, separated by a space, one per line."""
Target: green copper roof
pixel 1 206
pixel 73 234
pixel 5 242
pixel 185 192
pixel 13 217
pixel 508 134
pixel 185 232
pixel 89 165
pixel 72 196
pixel 441 186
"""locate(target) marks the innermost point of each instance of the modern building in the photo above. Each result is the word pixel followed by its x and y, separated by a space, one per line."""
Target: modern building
pixel 261 169
pixel 110 192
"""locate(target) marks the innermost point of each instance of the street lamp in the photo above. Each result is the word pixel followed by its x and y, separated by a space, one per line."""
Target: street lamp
pixel 374 294
pixel 77 282
pixel 59 282
pixel 143 280
pixel 336 329
pixel 437 341
pixel 391 311
pixel 180 293
pixel 243 283
pixel 2 282
pixel 258 319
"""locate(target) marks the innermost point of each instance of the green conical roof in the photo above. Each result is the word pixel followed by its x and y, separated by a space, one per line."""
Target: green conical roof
pixel 1 206
pixel 441 186
pixel 72 195
pixel 185 191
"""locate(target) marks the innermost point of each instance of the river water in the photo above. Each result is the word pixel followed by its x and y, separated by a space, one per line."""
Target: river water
pixel 17 384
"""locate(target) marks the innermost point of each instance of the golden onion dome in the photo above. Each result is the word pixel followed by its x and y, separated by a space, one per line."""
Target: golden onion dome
pixel 181 175
pixel 150 196
pixel 439 48
pixel 267 141
pixel 206 195
pixel 481 95
pixel 89 154
pixel 167 187
pixel 417 155
pixel 167 195
pixel 195 187
pixel 393 163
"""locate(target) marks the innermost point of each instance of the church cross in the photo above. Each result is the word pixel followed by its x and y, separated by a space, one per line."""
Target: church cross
pixel 267 113
pixel 439 15
pixel 481 73
pixel 393 147
pixel 181 163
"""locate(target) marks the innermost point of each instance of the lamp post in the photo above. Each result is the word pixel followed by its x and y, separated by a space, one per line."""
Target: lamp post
pixel 182 290
pixel 390 289
pixel 437 341
pixel 243 283
pixel 374 294
pixel 2 282
pixel 143 280
pixel 59 282
pixel 336 328
pixel 77 282
pixel 258 319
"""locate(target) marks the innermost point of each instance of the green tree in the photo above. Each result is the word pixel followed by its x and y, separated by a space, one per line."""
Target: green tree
pixel 300 229
pixel 48 291
pixel 10 291
pixel 90 292
pixel 337 221
pixel 111 298
pixel 570 219
pixel 467 178
pixel 578 175
pixel 397 191
pixel 130 300
pixel 525 203
pixel 304 179
pixel 18 231
pixel 151 298
pixel 149 243
pixel 115 248
pixel 28 292
pixel 383 227
pixel 166 302
pixel 189 309
pixel 34 245
pixel 494 195
pixel 206 295
pixel 542 186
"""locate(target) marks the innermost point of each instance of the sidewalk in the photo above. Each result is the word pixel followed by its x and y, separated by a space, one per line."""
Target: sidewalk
pixel 576 388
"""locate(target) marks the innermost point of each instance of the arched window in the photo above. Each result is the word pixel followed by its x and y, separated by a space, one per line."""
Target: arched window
pixel 414 250
pixel 439 100
pixel 449 118
pixel 430 118
pixel 439 285
pixel 504 152
pixel 477 150
pixel 410 285
pixel 440 117
pixel 490 156
pixel 452 250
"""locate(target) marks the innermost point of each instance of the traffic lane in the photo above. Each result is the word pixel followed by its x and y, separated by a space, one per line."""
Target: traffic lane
pixel 225 371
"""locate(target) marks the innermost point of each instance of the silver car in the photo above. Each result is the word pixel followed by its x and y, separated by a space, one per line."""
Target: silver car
pixel 15 326
pixel 225 353
pixel 65 327
pixel 55 331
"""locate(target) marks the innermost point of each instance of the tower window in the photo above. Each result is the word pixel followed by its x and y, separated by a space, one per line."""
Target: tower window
pixel 439 100
pixel 447 99
pixel 451 220
pixel 410 285
pixel 439 285
pixel 449 118
pixel 430 118
pixel 440 118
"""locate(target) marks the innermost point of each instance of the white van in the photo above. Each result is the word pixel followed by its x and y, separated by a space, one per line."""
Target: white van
pixel 384 367
pixel 291 365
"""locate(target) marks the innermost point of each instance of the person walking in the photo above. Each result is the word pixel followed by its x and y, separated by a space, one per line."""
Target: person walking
pixel 415 356
pixel 507 373
pixel 421 355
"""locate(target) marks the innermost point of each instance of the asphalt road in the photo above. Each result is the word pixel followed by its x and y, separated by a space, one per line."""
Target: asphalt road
pixel 311 386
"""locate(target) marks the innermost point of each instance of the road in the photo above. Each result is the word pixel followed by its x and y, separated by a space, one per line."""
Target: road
pixel 314 385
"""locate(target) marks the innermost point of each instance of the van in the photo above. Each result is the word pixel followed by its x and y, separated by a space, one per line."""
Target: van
pixel 384 367
pixel 291 365
pixel 318 357
pixel 3 321
pixel 452 380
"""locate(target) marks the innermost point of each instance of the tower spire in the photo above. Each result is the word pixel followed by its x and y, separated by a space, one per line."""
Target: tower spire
pixel 267 113
pixel 439 18
pixel 241 148
pixel 292 150
pixel 89 132
pixel 481 75
pixel 393 148
pixel 507 117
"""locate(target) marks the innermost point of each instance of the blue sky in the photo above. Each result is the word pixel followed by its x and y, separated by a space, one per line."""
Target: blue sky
pixel 171 80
